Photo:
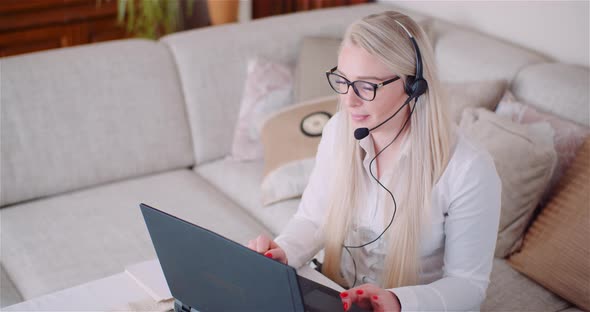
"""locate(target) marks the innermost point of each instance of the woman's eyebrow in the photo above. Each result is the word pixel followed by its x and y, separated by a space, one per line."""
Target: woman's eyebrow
pixel 362 77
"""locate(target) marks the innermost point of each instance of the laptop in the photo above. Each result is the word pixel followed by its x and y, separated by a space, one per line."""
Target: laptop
pixel 208 272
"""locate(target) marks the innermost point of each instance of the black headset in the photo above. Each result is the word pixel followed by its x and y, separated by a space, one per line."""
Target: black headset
pixel 414 87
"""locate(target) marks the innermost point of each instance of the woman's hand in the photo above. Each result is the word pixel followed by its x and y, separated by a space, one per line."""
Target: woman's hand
pixel 370 297
pixel 268 247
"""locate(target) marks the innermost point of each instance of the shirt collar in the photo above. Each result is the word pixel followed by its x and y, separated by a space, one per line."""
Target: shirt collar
pixel 369 148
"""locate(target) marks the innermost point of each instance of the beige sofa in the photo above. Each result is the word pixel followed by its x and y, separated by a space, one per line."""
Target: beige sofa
pixel 90 132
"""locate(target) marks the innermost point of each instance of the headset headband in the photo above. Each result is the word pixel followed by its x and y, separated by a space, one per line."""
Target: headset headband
pixel 418 55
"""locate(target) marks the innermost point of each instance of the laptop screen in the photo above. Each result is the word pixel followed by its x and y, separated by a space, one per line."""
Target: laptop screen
pixel 209 272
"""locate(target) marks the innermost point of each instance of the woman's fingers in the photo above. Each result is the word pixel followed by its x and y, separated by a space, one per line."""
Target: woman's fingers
pixel 262 244
pixel 378 304
pixel 369 297
pixel 277 254
pixel 252 244
pixel 358 296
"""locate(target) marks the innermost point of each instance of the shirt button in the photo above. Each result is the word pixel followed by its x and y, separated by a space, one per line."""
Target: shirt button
pixel 366 279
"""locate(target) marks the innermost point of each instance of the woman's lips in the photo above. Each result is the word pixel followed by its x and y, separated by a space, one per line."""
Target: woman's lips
pixel 356 117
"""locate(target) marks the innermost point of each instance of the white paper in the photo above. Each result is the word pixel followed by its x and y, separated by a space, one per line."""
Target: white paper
pixel 149 277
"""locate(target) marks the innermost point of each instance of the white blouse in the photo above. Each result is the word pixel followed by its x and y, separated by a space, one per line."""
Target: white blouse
pixel 456 252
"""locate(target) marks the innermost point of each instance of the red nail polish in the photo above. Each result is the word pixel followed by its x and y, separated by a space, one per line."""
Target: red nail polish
pixel 268 254
pixel 343 294
pixel 346 306
pixel 359 292
pixel 375 298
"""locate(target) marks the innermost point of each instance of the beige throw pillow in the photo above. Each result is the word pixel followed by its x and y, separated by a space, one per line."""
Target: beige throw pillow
pixel 290 138
pixel 317 55
pixel 524 157
pixel 555 251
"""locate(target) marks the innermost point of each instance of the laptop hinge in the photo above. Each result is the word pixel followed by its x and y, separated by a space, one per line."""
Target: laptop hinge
pixel 180 307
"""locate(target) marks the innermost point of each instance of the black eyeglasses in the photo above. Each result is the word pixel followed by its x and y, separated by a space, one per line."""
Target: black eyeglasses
pixel 364 89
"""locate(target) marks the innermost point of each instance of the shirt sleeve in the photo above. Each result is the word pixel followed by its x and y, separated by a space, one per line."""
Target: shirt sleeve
pixel 301 239
pixel 471 229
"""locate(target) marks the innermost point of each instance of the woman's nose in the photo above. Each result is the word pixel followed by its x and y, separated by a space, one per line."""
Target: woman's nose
pixel 351 99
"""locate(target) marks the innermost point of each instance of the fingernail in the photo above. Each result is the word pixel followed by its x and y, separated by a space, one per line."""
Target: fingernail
pixel 346 306
pixel 268 254
pixel 375 298
pixel 359 291
pixel 343 294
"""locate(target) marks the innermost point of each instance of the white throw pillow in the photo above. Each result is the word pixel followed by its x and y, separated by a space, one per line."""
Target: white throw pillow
pixel 287 181
pixel 290 138
pixel 567 139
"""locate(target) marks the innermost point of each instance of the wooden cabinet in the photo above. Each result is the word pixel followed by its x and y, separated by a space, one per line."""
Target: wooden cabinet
pixel 34 25
pixel 264 8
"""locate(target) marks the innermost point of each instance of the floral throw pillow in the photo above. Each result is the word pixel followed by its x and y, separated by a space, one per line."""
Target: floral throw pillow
pixel 268 88
pixel 567 139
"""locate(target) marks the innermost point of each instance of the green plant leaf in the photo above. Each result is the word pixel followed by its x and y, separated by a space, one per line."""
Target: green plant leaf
pixel 121 6
pixel 153 18
pixel 190 7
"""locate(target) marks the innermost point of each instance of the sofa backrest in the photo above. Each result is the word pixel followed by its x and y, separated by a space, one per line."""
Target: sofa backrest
pixel 212 65
pixel 82 116
pixel 561 89
pixel 466 55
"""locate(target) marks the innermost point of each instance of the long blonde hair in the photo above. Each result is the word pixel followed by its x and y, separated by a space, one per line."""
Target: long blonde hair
pixel 431 141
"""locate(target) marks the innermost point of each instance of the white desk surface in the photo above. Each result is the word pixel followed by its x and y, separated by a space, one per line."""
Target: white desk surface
pixel 114 292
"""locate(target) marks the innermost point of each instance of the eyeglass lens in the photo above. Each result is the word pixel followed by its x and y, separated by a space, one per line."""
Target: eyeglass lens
pixel 363 89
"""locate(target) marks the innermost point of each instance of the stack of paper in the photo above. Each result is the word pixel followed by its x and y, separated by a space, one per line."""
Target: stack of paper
pixel 149 277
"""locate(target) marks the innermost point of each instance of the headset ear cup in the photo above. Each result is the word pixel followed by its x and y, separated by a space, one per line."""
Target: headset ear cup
pixel 419 87
pixel 408 85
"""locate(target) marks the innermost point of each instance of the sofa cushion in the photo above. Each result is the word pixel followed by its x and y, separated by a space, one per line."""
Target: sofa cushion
pixel 465 55
pixel 82 116
pixel 557 88
pixel 210 72
pixel 241 181
pixel 511 291
pixel 66 240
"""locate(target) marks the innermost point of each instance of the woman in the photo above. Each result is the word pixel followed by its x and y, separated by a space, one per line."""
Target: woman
pixel 406 208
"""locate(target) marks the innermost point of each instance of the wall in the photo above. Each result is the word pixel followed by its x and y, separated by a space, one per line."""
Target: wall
pixel 557 29
pixel 245 11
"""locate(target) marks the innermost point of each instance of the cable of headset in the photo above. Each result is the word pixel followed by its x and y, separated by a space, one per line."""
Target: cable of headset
pixel 392 197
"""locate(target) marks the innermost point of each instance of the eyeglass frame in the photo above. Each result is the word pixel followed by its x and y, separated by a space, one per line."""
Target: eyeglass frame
pixel 348 84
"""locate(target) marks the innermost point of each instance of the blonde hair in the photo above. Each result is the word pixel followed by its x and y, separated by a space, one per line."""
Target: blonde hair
pixel 430 135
